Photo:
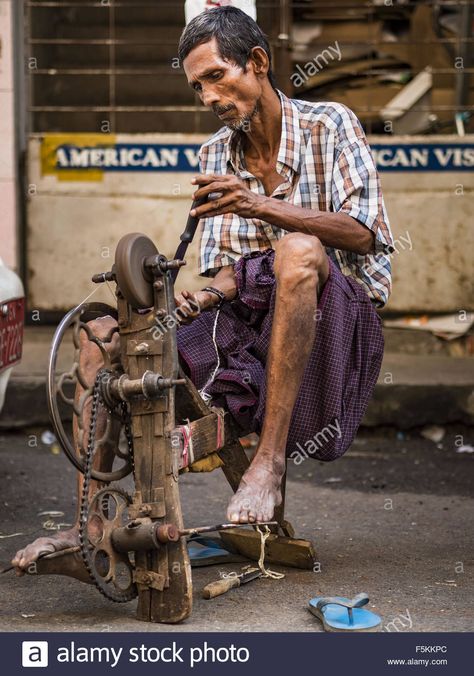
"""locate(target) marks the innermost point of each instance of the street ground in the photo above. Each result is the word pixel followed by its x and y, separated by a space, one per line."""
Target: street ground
pixel 394 518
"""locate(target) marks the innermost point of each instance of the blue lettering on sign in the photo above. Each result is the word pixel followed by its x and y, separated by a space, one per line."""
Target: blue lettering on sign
pixel 182 158
pixel 129 157
pixel 424 157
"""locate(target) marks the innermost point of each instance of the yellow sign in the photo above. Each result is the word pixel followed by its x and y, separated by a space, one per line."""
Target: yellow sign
pixel 56 149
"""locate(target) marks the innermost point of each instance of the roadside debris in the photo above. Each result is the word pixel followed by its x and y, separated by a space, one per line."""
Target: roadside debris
pixel 434 433
pixel 465 448
pixel 49 439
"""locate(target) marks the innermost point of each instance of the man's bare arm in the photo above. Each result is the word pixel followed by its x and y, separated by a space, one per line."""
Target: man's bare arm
pixel 224 281
pixel 191 304
pixel 337 230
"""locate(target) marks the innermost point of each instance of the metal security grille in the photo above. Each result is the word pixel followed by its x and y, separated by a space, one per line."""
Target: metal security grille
pixel 403 66
pixel 111 65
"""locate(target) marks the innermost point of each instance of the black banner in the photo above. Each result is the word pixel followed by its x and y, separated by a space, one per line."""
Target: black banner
pixel 253 653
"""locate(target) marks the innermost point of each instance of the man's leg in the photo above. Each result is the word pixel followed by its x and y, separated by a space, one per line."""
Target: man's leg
pixel 301 268
pixel 90 361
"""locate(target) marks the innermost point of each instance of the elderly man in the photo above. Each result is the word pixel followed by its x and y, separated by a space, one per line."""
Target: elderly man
pixel 296 241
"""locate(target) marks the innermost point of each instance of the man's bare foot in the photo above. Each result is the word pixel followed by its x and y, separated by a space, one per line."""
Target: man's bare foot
pixel 258 494
pixel 26 557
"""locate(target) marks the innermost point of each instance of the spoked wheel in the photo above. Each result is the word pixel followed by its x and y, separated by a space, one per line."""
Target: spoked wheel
pixel 57 383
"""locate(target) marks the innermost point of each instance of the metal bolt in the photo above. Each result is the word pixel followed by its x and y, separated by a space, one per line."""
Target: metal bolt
pixel 142 348
pixel 158 284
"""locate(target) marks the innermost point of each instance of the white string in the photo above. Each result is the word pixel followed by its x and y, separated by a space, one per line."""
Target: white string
pixel 205 395
pixel 266 572
pixel 87 298
pixel 113 294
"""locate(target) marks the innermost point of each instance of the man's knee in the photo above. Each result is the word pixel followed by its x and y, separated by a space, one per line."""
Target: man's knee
pixel 299 256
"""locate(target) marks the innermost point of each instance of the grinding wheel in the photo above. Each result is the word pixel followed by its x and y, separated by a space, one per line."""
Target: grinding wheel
pixel 134 280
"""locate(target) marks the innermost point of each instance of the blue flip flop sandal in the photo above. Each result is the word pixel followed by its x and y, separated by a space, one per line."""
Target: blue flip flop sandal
pixel 208 551
pixel 340 614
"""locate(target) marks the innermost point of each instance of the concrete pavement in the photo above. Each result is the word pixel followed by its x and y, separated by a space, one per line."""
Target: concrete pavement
pixel 394 518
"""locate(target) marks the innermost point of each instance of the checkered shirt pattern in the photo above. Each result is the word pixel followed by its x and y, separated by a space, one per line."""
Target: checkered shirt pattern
pixel 326 164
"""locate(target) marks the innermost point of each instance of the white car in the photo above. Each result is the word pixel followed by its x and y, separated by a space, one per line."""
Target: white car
pixel 12 319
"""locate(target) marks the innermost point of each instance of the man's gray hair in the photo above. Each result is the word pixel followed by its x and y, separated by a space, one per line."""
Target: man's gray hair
pixel 236 34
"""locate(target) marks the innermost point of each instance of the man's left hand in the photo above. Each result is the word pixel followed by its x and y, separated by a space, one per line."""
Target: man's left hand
pixel 235 197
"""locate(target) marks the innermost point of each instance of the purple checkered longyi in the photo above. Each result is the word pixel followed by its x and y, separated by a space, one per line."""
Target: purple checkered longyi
pixel 338 380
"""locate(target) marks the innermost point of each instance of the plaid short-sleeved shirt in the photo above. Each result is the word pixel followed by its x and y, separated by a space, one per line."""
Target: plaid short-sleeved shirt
pixel 326 164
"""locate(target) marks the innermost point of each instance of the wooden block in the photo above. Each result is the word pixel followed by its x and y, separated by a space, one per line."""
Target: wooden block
pixel 278 549
pixel 203 434
pixel 147 578
pixel 155 508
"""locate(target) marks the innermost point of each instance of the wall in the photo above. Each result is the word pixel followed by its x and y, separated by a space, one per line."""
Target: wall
pixel 76 215
pixel 8 224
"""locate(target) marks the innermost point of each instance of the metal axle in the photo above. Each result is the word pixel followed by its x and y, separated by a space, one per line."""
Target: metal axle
pixel 143 534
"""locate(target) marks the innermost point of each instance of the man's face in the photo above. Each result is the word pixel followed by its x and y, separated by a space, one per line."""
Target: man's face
pixel 230 93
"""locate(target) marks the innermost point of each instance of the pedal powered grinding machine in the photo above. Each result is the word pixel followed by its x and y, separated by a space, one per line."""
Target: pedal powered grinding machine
pixel 159 426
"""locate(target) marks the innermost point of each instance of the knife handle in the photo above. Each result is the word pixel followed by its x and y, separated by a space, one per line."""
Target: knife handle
pixel 220 587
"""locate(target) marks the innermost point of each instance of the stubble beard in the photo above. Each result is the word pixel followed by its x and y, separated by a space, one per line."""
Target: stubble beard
pixel 244 123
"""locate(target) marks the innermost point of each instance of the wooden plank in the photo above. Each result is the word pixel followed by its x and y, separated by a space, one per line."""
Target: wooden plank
pixel 278 549
pixel 167 597
pixel 189 403
pixel 235 462
pixel 158 431
pixel 147 406
pixel 203 439
pixel 174 602
pixel 137 426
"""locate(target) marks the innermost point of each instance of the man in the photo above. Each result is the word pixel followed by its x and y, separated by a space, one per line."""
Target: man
pixel 296 239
